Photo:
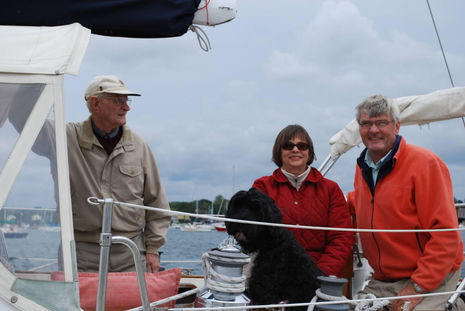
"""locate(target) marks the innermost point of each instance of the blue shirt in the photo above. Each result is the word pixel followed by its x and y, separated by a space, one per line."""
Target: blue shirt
pixel 375 167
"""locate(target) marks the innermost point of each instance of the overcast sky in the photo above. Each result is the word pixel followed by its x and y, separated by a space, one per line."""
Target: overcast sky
pixel 211 118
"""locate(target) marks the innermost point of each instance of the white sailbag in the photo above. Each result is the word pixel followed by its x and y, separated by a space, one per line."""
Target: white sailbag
pixel 420 109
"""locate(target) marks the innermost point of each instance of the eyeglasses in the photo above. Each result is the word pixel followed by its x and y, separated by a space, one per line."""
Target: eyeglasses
pixel 379 124
pixel 121 101
pixel 301 146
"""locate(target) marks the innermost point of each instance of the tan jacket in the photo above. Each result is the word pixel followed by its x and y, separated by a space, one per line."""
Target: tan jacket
pixel 129 174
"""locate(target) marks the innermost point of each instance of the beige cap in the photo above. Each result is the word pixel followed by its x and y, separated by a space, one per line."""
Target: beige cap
pixel 107 84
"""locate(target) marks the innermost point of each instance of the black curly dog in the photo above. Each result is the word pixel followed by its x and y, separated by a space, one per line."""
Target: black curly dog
pixel 282 270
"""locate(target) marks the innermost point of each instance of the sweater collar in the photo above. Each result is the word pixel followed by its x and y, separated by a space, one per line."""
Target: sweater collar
pixel 313 176
pixel 296 181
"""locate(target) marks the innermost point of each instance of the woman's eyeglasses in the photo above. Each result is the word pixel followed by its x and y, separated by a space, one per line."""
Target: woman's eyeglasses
pixel 301 146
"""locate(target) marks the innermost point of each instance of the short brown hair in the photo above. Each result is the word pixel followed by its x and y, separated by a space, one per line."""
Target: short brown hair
pixel 288 133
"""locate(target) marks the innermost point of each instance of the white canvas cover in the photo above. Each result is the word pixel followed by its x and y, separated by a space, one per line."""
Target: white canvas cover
pixel 33 61
pixel 420 109
pixel 43 50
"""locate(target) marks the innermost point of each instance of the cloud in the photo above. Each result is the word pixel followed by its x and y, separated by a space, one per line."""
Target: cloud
pixel 306 62
pixel 288 66
pixel 343 48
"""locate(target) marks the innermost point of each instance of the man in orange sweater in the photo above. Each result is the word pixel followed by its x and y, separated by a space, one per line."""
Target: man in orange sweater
pixel 402 186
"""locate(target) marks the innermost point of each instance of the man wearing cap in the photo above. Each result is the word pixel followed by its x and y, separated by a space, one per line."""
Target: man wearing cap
pixel 108 160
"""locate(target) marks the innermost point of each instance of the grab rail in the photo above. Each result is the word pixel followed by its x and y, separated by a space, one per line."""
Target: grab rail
pixel 106 239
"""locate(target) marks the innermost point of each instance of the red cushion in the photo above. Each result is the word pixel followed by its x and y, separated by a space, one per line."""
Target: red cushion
pixel 123 288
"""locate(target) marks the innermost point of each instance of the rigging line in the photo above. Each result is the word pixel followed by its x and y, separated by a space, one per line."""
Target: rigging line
pixel 440 44
pixel 442 50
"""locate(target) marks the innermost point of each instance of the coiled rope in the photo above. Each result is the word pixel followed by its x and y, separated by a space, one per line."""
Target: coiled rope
pixel 219 282
pixel 369 305
pixel 202 37
pixel 326 297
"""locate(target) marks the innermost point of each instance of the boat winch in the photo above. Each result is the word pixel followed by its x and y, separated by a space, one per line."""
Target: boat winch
pixel 331 290
pixel 224 278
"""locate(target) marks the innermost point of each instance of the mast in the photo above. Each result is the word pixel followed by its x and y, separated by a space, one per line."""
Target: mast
pixel 233 179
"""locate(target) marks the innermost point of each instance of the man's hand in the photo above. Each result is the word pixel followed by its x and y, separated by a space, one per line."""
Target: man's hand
pixel 153 263
pixel 398 304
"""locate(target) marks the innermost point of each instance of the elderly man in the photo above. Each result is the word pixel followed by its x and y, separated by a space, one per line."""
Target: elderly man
pixel 402 186
pixel 107 159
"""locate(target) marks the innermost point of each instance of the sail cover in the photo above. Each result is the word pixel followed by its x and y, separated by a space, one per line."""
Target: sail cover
pixel 43 50
pixel 123 18
pixel 421 109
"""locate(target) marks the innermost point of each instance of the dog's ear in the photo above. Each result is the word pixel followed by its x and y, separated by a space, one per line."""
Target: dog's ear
pixel 267 208
pixel 236 200
pixel 274 212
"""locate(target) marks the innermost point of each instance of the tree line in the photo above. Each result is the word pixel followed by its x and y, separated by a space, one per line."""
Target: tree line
pixel 203 206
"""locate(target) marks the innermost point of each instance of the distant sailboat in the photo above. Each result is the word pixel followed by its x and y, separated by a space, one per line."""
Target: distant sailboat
pixel 14 231
pixel 221 227
pixel 196 226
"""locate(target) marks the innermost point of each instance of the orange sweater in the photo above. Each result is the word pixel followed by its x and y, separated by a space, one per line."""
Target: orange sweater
pixel 415 194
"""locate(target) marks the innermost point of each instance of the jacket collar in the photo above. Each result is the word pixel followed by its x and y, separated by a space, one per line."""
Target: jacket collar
pixel 87 137
pixel 394 149
pixel 388 165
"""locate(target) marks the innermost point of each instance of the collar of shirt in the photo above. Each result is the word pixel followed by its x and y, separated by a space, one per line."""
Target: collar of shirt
pixel 375 167
pixel 102 134
pixel 296 181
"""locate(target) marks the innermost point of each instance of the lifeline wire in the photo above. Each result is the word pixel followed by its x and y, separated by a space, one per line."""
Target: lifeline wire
pixel 315 303
pixel 96 201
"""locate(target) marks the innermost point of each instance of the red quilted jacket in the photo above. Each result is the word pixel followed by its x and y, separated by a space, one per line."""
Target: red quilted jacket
pixel 318 202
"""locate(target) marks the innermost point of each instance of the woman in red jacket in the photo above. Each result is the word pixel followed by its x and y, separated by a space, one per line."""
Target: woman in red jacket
pixel 305 197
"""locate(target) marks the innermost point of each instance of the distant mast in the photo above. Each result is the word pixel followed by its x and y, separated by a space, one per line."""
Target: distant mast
pixel 233 179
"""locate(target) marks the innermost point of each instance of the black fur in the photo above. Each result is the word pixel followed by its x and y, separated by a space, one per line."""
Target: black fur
pixel 282 270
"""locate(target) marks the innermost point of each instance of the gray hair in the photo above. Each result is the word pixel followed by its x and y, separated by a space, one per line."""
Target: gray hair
pixel 99 96
pixel 88 104
pixel 377 105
